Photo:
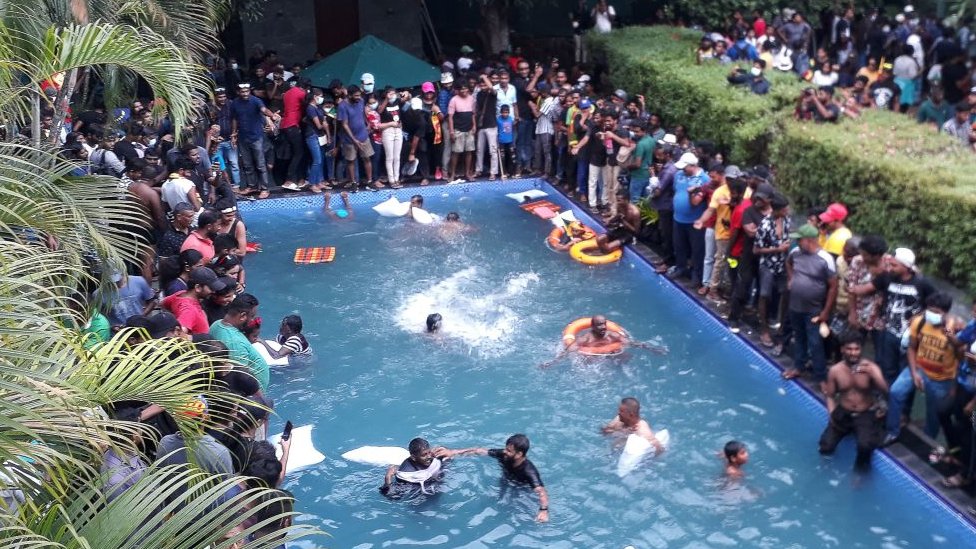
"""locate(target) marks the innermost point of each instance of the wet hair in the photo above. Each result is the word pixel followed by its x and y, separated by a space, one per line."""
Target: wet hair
pixel 242 303
pixel 631 403
pixel 732 449
pixel 294 323
pixel 453 216
pixel 520 442
pixel 939 300
pixel 223 243
pixel 418 445
pixel 850 336
pixel 417 197
pixel 434 322
pixel 262 466
pixel 873 244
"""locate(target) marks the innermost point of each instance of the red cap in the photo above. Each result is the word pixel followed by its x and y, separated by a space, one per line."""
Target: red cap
pixel 835 212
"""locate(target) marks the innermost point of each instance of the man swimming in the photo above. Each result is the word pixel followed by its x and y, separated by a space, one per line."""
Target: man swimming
pixel 345 212
pixel 434 322
pixel 516 466
pixel 623 228
pixel 628 421
pixel 598 338
pixel 422 467
pixel 574 233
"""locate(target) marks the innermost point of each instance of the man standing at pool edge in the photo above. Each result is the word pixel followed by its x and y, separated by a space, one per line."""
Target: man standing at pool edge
pixel 516 466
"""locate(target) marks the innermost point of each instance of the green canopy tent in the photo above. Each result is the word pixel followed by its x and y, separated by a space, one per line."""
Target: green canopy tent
pixel 389 65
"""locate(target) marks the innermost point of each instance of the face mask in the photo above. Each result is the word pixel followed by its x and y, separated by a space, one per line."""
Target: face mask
pixel 935 319
pixel 152 142
pixel 233 66
pixel 374 105
pixel 756 71
pixel 319 100
pixel 885 29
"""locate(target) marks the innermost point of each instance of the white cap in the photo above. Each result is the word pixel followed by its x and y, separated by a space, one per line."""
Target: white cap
pixel 447 78
pixel 669 139
pixel 687 159
pixel 464 63
pixel 906 257
pixel 584 78
pixel 367 78
pixel 900 18
pixel 909 8
pixel 416 103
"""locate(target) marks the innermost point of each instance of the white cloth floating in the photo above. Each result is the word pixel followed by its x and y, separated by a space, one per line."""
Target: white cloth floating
pixel 531 194
pixel 392 207
pixel 564 219
pixel 263 351
pixel 636 448
pixel 422 476
pixel 422 216
pixel 303 453
pixel 377 455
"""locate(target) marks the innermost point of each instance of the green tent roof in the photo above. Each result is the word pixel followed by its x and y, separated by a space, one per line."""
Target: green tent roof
pixel 389 65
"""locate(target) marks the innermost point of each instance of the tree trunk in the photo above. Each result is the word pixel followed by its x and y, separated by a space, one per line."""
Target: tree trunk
pixel 496 29
pixel 61 104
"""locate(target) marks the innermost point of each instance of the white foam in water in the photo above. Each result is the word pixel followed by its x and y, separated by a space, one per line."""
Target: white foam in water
pixel 476 310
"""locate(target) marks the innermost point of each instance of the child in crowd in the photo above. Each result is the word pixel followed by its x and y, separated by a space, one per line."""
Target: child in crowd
pixel 291 339
pixel 736 456
pixel 506 140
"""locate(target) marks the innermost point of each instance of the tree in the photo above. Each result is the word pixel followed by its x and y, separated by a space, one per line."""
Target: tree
pixel 496 17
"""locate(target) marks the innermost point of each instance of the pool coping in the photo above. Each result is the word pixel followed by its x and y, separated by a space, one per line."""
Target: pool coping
pixel 897 457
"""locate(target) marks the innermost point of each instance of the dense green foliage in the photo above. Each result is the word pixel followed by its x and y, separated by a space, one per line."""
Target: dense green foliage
pixel 899 179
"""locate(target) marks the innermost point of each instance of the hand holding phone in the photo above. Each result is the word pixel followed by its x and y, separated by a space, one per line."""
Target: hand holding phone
pixel 286 434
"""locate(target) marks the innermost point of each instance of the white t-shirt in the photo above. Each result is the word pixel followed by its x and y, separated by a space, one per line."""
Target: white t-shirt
pixel 601 20
pixel 176 190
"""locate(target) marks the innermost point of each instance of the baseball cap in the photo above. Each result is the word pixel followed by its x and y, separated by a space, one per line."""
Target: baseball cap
pixel 427 87
pixel 733 172
pixel 585 103
pixel 764 191
pixel 447 78
pixel 620 94
pixel 687 159
pixel 206 275
pixel 760 172
pixel 906 257
pixel 161 324
pixel 226 283
pixel 668 139
pixel 806 231
pixel 447 66
pixel 834 212
pixel 583 78
pixel 467 49
pixel 367 78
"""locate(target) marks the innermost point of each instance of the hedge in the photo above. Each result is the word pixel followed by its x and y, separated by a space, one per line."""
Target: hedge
pixel 898 178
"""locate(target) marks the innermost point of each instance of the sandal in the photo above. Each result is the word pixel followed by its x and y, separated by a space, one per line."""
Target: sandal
pixel 263 195
pixel 791 373
pixel 703 291
pixel 766 341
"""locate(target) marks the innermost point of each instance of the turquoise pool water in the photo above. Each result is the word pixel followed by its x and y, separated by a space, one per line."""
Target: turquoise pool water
pixel 505 298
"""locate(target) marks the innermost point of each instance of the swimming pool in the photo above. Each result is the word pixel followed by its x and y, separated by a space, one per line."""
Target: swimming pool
pixel 505 298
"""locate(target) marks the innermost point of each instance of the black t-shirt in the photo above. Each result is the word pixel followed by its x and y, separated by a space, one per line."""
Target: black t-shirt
pixel 391 113
pixel 170 243
pixel 485 106
pixel 752 216
pixel 214 312
pixel 90 118
pixel 951 74
pixel 522 97
pixel 883 94
pixel 526 473
pixel 603 152
pixel 126 152
pixel 903 300
pixel 414 124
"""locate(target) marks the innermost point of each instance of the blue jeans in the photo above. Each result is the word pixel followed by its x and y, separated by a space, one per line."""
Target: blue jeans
pixel 315 154
pixel 328 162
pixel 807 342
pixel 889 356
pixel 582 173
pixel 637 188
pixel 689 243
pixel 900 397
pixel 524 136
pixel 229 152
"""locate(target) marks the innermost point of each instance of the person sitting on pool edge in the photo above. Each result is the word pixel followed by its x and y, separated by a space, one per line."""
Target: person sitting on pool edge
pixel 598 337
pixel 623 228
pixel 422 467
pixel 516 466
pixel 628 421
pixel 345 212
pixel 434 322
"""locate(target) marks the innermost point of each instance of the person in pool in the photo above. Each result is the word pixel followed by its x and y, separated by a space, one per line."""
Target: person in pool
pixel 628 421
pixel 622 229
pixel 516 466
pixel 736 456
pixel 594 340
pixel 574 233
pixel 422 467
pixel 434 322
pixel 345 212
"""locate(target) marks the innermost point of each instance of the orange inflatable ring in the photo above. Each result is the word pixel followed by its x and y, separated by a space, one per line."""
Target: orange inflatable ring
pixel 556 234
pixel 580 252
pixel 575 327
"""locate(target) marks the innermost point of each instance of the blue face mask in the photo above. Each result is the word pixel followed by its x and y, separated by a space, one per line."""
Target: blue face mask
pixel 935 319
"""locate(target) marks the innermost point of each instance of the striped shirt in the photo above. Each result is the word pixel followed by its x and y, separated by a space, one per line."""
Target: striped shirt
pixel 297 344
pixel 547 112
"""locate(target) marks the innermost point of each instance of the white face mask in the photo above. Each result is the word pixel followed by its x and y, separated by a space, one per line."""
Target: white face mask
pixel 152 142
pixel 885 29
pixel 319 100
pixel 933 318
pixel 233 66
pixel 374 105
pixel 756 71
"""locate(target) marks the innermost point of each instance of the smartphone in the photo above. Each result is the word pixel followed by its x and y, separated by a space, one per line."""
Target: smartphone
pixel 286 434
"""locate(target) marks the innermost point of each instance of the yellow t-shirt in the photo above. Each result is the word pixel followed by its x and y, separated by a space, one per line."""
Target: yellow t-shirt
pixel 721 203
pixel 834 242
pixel 935 354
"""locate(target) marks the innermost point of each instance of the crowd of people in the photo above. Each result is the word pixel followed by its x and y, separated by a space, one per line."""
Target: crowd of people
pixel 810 285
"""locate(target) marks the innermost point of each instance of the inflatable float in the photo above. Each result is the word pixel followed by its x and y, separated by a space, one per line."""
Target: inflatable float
pixel 610 348
pixel 263 351
pixel 581 251
pixel 391 207
pixel 557 233
pixel 377 455
pixel 636 448
pixel 303 453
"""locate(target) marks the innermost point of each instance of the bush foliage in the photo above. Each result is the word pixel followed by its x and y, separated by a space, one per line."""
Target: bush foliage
pixel 899 179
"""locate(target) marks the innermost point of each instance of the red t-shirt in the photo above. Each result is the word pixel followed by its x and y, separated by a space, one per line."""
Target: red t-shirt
pixel 202 245
pixel 291 112
pixel 188 312
pixel 735 224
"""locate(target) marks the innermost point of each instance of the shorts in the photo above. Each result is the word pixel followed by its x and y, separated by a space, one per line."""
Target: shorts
pixel 623 235
pixel 349 150
pixel 462 142
pixel 769 280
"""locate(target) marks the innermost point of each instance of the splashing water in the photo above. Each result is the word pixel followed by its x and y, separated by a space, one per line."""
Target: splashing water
pixel 483 320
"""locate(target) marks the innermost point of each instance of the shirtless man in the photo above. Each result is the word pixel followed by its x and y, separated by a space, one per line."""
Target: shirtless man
pixel 345 212
pixel 628 421
pixel 850 389
pixel 623 227
pixel 599 336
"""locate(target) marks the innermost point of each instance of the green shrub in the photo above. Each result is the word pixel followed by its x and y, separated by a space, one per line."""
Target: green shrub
pixel 899 179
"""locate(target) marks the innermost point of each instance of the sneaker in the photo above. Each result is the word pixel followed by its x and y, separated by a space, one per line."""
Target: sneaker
pixel 673 272
pixel 291 186
pixel 775 326
pixel 889 439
